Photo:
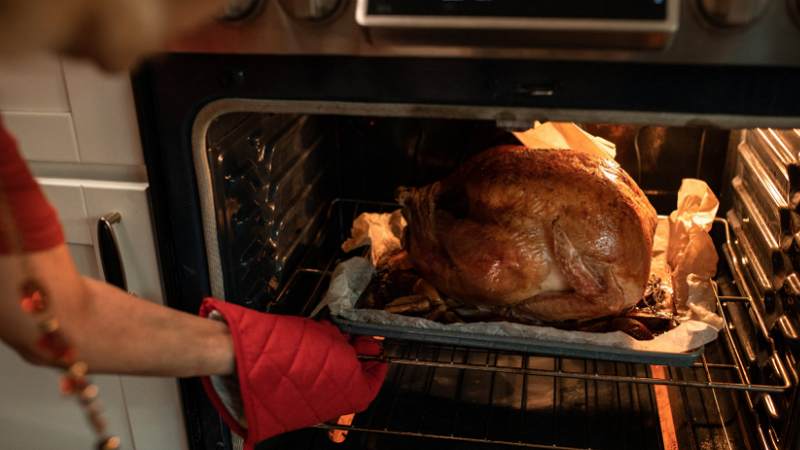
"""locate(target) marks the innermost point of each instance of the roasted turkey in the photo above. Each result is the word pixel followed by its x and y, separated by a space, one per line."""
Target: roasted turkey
pixel 546 235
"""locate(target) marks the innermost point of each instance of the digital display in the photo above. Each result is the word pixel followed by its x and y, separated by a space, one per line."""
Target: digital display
pixel 555 9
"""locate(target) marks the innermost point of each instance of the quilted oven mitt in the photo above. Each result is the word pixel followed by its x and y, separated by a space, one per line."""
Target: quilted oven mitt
pixel 292 372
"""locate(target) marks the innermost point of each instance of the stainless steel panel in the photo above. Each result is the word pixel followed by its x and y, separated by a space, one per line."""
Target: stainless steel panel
pixel 773 154
pixel 755 225
pixel 768 198
pixel 773 40
pixel 779 150
pixel 751 257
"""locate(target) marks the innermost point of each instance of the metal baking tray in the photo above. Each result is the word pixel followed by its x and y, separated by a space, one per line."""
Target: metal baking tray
pixel 526 345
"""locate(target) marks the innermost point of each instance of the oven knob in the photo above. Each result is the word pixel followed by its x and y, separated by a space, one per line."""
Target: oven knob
pixel 732 13
pixel 238 11
pixel 310 10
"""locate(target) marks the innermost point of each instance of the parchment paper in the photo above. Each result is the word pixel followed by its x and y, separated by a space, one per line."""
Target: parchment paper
pixel 691 252
pixel 568 136
pixel 379 230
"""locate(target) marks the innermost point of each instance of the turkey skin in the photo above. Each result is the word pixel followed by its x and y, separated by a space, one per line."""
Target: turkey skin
pixel 546 235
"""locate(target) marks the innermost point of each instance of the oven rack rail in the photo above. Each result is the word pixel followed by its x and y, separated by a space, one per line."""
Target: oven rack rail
pixel 727 375
pixel 643 400
pixel 346 429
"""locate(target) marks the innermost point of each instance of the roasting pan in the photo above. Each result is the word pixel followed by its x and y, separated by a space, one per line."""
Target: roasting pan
pixel 526 345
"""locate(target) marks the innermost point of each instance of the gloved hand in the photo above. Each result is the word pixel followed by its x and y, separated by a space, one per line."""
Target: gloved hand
pixel 293 372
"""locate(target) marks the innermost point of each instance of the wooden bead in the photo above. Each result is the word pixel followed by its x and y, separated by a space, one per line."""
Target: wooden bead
pixel 89 393
pixel 109 444
pixel 78 369
pixel 48 325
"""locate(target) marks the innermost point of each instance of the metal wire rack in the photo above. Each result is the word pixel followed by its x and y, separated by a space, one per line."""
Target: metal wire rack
pixel 544 412
pixel 708 417
pixel 512 410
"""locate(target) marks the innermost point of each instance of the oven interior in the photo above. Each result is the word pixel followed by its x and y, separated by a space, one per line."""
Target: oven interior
pixel 287 187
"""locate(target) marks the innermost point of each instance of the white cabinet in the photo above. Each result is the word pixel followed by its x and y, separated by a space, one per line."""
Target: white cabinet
pixel 68 200
pixel 145 412
pixel 151 405
pixel 33 415
pixel 81 204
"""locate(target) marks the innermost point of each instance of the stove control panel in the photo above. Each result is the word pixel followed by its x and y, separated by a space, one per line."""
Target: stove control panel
pixel 691 32
pixel 541 14
pixel 645 24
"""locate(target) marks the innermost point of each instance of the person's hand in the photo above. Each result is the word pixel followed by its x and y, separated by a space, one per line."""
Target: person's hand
pixel 114 34
pixel 293 372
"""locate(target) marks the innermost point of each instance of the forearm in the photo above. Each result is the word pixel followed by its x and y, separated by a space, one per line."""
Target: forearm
pixel 112 331
pixel 118 333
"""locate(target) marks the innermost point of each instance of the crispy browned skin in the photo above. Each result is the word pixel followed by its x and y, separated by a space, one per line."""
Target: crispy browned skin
pixel 554 234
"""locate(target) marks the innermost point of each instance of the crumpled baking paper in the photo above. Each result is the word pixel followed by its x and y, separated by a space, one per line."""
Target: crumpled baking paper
pixel 381 231
pixel 565 135
pixel 348 282
pixel 681 236
pixel 691 253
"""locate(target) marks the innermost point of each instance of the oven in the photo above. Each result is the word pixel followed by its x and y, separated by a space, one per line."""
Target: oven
pixel 269 132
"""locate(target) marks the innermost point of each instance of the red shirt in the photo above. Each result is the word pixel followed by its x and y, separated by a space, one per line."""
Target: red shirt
pixel 35 218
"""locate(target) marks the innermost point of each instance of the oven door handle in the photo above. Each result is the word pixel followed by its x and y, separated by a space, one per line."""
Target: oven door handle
pixel 110 256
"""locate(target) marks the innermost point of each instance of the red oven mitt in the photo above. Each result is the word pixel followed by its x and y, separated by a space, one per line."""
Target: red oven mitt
pixel 293 372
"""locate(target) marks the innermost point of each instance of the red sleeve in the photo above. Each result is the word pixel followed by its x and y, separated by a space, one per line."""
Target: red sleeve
pixel 35 218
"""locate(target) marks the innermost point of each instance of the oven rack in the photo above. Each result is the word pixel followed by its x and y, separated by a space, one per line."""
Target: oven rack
pixel 725 372
pixel 620 402
pixel 720 369
pixel 625 401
